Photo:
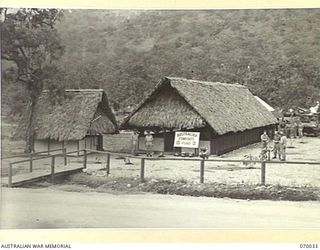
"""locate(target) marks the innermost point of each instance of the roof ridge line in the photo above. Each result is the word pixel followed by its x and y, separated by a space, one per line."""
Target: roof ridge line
pixel 206 82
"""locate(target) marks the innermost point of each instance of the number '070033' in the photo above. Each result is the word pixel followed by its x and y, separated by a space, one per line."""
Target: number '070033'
pixel 309 246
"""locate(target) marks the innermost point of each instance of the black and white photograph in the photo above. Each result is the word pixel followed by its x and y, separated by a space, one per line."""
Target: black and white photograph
pixel 160 118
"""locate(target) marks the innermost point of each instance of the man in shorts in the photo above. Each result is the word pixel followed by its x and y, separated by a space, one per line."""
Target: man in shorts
pixel 149 143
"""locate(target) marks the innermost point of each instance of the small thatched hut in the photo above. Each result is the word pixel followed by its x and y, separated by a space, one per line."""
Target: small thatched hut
pixel 75 121
pixel 228 116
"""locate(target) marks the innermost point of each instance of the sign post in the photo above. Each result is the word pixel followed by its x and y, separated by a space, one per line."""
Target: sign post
pixel 184 139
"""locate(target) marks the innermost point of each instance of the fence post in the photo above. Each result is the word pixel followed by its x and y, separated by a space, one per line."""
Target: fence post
pixel 263 173
pixel 108 164
pixel 52 168
pixel 31 162
pixel 64 150
pixel 202 171
pixel 10 175
pixel 84 158
pixel 142 170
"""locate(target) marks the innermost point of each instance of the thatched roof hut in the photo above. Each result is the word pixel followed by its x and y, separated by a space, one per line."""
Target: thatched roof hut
pixel 178 103
pixel 78 113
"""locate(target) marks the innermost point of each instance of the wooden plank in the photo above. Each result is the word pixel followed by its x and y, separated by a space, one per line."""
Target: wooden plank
pixel 38 175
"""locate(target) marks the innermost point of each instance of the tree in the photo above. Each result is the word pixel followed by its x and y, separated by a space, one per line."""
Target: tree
pixel 30 40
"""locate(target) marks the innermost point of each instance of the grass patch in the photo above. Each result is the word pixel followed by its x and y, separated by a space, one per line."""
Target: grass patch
pixel 237 191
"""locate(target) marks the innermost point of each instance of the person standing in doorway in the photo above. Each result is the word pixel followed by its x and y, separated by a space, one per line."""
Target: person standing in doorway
pixel 149 142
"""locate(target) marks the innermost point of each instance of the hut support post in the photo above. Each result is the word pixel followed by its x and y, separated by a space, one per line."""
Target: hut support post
pixel 52 168
pixel 64 150
pixel 84 158
pixel 10 175
pixel 201 171
pixel 108 164
pixel 31 162
pixel 263 173
pixel 142 170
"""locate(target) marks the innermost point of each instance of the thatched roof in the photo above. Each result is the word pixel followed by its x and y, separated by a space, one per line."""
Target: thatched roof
pixel 223 107
pixel 72 117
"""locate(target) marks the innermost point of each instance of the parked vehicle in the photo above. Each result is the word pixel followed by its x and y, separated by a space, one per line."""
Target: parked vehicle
pixel 311 124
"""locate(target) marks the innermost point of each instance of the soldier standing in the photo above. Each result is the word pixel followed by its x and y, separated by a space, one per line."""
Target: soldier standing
pixel 135 138
pixel 276 145
pixel 264 139
pixel 283 146
pixel 149 142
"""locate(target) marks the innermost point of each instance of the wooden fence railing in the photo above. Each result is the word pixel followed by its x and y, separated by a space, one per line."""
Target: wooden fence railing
pixel 53 161
pixel 202 163
pixel 32 154
pixel 143 160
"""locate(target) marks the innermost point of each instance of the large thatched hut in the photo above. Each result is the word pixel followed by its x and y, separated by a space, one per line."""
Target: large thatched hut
pixel 75 121
pixel 228 116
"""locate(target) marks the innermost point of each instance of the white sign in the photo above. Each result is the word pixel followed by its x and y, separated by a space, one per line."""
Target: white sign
pixel 186 139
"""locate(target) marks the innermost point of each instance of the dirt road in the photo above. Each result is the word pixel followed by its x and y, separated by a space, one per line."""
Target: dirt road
pixel 50 208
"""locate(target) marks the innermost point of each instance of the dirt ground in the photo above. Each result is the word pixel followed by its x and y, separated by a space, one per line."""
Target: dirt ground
pixel 229 173
pixel 51 208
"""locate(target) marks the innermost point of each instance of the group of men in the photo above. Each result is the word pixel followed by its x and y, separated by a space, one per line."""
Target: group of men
pixel 279 144
pixel 292 128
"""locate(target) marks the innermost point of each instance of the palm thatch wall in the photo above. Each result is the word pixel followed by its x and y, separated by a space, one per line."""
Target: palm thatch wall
pixel 224 107
pixel 71 117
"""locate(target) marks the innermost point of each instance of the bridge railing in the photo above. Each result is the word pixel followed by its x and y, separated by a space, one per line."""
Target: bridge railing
pixel 31 160
pixel 33 154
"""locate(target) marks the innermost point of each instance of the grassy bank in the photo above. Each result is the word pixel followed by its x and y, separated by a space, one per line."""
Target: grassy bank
pixel 82 182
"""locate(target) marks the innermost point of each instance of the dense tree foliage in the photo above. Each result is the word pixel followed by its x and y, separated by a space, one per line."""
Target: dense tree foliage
pixel 31 43
pixel 273 52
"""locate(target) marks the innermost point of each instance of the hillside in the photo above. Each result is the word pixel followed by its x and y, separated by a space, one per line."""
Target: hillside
pixel 274 52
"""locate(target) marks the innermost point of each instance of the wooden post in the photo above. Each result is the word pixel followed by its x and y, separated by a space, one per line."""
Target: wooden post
pixel 52 168
pixel 263 173
pixel 31 162
pixel 108 164
pixel 10 175
pixel 48 146
pixel 64 150
pixel 85 158
pixel 78 148
pixel 142 170
pixel 202 171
